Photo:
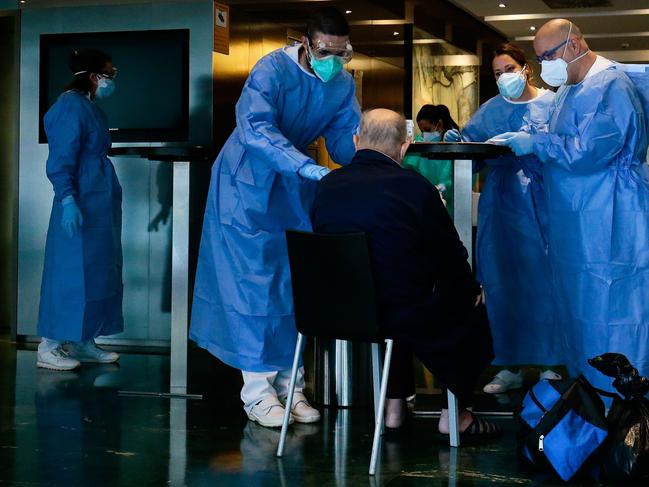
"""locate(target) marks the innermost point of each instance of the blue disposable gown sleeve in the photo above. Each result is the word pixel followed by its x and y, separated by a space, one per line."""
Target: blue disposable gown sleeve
pixel 339 133
pixel 472 132
pixel 257 122
pixel 600 135
pixel 63 126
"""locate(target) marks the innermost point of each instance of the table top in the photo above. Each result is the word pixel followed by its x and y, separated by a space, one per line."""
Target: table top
pixel 166 154
pixel 458 150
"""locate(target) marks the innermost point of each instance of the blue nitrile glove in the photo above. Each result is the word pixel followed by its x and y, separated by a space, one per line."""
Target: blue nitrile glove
pixel 313 171
pixel 71 218
pixel 521 143
pixel 453 135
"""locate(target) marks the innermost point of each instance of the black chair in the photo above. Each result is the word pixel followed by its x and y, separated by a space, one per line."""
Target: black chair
pixel 322 263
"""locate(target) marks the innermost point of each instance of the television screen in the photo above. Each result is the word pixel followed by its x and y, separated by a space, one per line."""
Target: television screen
pixel 151 99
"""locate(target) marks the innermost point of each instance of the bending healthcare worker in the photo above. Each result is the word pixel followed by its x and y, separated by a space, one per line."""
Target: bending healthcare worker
pixel 511 248
pixel 263 182
pixel 81 293
pixel 598 202
pixel 433 122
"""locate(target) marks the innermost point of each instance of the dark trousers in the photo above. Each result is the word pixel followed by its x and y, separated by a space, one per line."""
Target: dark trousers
pixel 455 349
pixel 401 381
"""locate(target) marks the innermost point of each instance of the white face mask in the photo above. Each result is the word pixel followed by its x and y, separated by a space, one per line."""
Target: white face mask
pixel 555 72
pixel 512 85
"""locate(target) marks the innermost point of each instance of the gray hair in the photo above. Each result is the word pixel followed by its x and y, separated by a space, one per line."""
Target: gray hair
pixel 383 130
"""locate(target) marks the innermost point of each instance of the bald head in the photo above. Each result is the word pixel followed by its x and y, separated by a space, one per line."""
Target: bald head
pixel 383 130
pixel 560 38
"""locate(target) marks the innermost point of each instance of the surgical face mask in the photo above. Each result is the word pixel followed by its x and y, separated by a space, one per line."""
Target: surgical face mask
pixel 555 72
pixel 512 85
pixel 105 87
pixel 434 136
pixel 326 68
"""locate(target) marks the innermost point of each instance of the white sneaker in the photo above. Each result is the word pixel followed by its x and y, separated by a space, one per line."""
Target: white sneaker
pixel 302 411
pixel 549 375
pixel 269 413
pixel 88 351
pixel 503 382
pixel 56 359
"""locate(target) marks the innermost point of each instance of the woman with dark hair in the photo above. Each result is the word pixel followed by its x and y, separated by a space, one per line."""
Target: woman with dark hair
pixel 433 122
pixel 81 293
pixel 512 261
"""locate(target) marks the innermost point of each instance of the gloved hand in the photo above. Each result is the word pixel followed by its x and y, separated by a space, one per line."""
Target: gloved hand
pixel 72 220
pixel 453 135
pixel 521 143
pixel 313 171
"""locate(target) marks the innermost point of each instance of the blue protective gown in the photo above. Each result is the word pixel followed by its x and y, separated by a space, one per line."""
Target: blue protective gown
pixel 511 248
pixel 242 310
pixel 599 221
pixel 81 293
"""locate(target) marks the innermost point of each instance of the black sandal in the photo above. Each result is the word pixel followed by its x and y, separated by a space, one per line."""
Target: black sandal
pixel 481 428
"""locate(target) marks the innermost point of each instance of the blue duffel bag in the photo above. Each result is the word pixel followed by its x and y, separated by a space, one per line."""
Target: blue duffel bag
pixel 563 425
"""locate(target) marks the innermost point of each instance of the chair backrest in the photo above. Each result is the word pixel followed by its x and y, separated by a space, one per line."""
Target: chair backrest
pixel 333 286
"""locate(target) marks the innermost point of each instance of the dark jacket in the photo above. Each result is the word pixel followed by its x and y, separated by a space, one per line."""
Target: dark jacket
pixel 425 287
pixel 418 259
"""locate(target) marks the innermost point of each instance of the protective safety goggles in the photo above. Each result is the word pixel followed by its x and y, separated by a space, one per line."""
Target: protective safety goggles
pixel 110 75
pixel 549 54
pixel 322 50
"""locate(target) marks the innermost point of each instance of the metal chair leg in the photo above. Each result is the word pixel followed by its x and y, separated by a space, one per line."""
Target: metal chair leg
pixel 291 392
pixel 376 377
pixel 453 419
pixel 376 444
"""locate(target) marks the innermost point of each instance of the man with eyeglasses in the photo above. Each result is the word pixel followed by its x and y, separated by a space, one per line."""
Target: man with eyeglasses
pixel 263 183
pixel 598 202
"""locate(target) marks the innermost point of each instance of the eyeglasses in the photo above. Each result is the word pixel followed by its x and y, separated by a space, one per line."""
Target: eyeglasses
pixel 322 50
pixel 549 54
pixel 110 75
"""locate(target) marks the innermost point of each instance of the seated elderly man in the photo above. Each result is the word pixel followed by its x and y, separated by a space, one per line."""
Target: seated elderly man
pixel 429 301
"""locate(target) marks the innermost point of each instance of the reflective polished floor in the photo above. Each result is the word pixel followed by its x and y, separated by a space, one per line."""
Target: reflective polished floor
pixel 74 429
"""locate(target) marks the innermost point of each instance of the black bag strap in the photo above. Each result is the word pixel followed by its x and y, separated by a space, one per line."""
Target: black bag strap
pixel 536 401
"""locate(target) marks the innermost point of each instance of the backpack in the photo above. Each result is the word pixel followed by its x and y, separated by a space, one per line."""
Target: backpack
pixel 563 425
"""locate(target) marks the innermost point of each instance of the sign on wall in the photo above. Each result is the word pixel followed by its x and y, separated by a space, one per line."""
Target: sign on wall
pixel 221 28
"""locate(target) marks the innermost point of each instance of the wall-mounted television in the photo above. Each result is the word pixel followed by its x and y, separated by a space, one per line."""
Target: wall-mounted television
pixel 151 100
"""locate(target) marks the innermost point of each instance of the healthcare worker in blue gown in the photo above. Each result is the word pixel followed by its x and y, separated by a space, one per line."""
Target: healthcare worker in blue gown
pixel 511 249
pixel 81 293
pixel 263 182
pixel 597 200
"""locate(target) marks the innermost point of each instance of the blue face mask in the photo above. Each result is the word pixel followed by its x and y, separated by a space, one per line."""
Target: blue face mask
pixel 434 136
pixel 105 88
pixel 512 85
pixel 326 68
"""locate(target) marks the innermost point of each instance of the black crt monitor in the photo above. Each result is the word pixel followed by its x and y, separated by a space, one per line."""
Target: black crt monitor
pixel 151 99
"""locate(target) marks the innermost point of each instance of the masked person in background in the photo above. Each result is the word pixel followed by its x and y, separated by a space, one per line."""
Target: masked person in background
pixel 81 294
pixel 512 261
pixel 597 200
pixel 433 122
pixel 263 182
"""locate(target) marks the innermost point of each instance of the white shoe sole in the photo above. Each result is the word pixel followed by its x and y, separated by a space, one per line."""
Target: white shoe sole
pixel 307 419
pixel 95 361
pixel 268 424
pixel 501 389
pixel 45 365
